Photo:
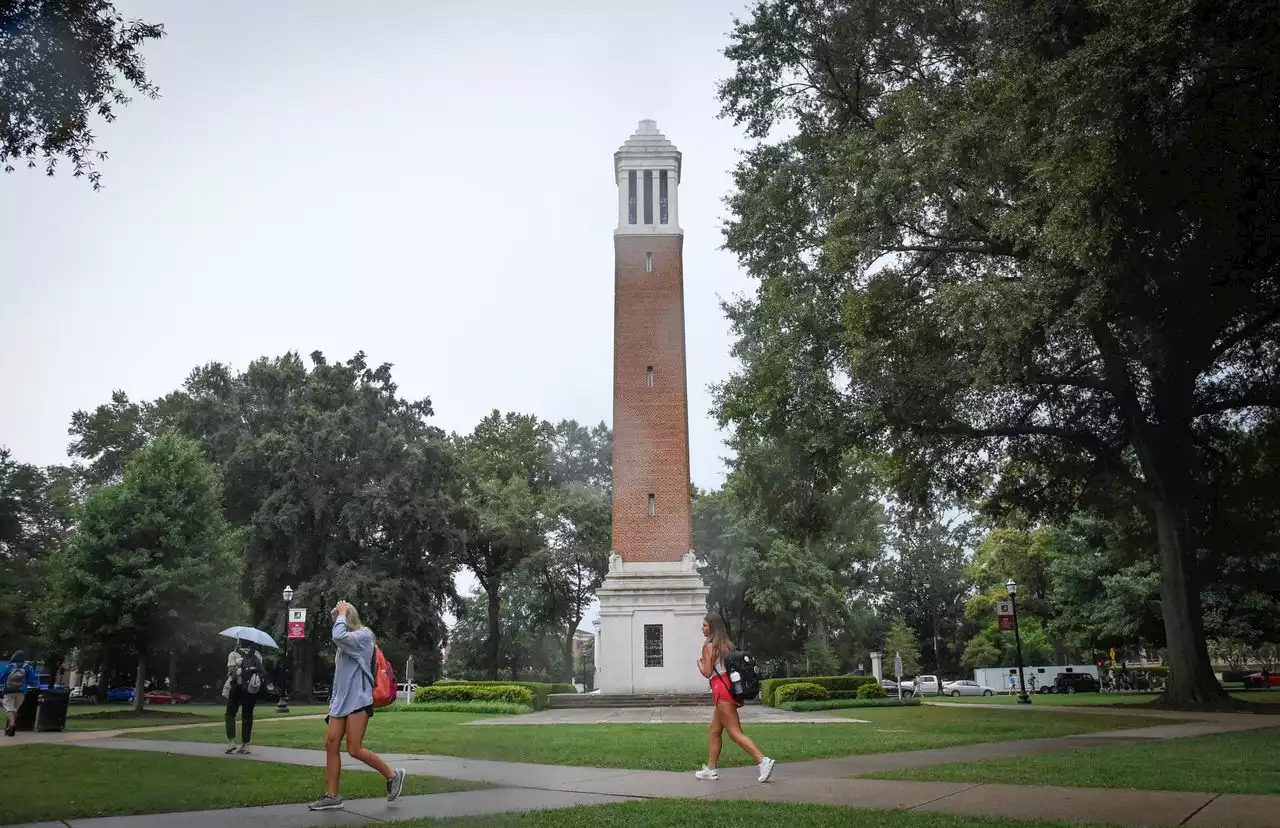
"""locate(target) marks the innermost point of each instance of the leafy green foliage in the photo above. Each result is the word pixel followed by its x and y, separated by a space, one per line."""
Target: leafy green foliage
pixel 872 691
pixel 834 685
pixel 154 561
pixel 540 689
pixel 1018 248
pixel 46 103
pixel 479 708
pixel 474 692
pixel 902 641
pixel 800 691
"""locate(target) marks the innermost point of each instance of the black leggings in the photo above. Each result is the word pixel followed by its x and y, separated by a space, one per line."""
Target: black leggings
pixel 240 699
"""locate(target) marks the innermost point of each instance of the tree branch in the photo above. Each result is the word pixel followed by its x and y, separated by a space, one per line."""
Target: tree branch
pixel 1244 332
pixel 1249 399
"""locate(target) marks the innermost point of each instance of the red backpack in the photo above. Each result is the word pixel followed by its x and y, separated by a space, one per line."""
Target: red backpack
pixel 384 679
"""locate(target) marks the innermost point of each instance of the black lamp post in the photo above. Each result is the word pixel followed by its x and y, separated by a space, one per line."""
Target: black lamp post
pixel 282 703
pixel 1023 698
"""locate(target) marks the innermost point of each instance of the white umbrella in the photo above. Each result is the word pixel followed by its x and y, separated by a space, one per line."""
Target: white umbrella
pixel 253 634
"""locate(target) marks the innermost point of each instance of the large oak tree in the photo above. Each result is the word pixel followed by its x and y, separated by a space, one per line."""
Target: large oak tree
pixel 1026 248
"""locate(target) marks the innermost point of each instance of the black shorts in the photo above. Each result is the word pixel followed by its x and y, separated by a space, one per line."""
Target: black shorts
pixel 367 710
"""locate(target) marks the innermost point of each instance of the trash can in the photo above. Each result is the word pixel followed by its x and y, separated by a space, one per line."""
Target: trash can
pixel 51 710
pixel 27 712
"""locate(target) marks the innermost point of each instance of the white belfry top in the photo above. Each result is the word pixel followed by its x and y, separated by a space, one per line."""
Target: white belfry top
pixel 647 169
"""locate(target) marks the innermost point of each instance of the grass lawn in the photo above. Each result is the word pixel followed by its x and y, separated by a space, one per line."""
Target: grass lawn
pixel 69 782
pixel 1247 762
pixel 112 717
pixel 1091 699
pixel 680 746
pixel 690 813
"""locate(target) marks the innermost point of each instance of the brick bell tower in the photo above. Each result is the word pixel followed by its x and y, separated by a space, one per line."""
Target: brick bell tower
pixel 652 601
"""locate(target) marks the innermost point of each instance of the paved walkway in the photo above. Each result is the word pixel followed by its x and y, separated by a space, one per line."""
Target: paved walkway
pixel 530 786
pixel 751 714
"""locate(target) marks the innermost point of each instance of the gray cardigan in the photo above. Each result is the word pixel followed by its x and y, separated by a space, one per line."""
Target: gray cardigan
pixel 352 682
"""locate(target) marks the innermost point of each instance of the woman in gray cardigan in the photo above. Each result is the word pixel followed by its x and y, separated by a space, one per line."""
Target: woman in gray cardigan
pixel 351 707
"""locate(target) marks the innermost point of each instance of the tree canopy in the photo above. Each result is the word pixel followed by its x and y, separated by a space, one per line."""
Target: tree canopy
pixel 1018 248
pixel 62 64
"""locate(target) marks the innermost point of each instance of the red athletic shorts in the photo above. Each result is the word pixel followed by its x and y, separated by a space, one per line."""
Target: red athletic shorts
pixel 720 691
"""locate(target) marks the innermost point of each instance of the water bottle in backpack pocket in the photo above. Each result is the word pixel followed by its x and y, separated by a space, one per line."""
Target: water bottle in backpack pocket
pixel 744 681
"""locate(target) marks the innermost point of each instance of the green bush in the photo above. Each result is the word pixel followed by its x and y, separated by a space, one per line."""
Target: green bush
pixel 846 704
pixel 539 689
pixel 479 707
pixel 872 691
pixel 833 685
pixel 563 688
pixel 801 691
pixel 509 693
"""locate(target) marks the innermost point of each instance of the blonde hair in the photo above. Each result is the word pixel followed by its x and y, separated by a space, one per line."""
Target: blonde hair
pixel 719 637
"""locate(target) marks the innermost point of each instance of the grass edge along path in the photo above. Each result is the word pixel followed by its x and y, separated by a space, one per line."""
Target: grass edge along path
pixel 678 747
pixel 62 782
pixel 1243 762
pixel 696 813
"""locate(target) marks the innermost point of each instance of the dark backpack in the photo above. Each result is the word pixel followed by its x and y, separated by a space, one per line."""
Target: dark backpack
pixel 251 674
pixel 16 681
pixel 744 681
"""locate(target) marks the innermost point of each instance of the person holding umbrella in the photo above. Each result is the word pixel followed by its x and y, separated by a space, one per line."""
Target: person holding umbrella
pixel 246 677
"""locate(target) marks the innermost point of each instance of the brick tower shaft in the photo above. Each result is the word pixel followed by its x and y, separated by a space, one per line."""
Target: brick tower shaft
pixel 652 514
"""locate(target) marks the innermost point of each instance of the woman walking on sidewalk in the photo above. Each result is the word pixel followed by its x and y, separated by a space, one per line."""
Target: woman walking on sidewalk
pixel 351 707
pixel 725 715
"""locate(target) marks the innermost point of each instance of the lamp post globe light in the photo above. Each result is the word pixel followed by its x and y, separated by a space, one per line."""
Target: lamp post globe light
pixel 1012 588
pixel 282 703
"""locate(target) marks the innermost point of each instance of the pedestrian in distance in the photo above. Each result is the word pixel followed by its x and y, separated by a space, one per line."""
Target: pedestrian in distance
pixel 724 714
pixel 245 677
pixel 15 680
pixel 351 708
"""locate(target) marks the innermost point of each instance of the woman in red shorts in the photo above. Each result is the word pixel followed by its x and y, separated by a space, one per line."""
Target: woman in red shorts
pixel 725 715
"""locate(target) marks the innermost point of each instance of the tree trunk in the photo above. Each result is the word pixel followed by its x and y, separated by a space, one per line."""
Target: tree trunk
pixel 1191 679
pixel 139 679
pixel 173 671
pixel 491 586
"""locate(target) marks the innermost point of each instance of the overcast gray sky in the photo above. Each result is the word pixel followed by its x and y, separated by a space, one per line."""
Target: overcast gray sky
pixel 430 182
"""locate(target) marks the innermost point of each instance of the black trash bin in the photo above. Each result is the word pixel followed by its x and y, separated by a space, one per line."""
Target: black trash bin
pixel 51 710
pixel 27 712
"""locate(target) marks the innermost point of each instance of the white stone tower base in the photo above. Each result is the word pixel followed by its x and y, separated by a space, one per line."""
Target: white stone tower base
pixel 668 596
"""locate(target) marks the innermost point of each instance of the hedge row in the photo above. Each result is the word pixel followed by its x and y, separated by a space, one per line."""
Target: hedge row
pixel 509 693
pixel 832 684
pixel 800 691
pixel 480 707
pixel 539 689
pixel 846 704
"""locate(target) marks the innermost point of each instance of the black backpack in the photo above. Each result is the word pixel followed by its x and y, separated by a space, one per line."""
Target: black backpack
pixel 744 681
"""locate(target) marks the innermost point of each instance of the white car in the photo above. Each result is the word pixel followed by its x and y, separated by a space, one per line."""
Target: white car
pixel 966 688
pixel 404 692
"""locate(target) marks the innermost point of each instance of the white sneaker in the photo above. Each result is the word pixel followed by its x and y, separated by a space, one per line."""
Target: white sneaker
pixel 766 769
pixel 707 773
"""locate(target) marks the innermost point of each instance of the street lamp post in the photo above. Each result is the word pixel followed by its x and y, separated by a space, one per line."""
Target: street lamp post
pixel 1023 698
pixel 282 703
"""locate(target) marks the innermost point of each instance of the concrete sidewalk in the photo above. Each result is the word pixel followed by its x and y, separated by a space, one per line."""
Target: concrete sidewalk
pixel 530 786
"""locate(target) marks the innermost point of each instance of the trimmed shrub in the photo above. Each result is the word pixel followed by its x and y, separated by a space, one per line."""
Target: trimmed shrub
pixel 801 691
pixel 832 684
pixel 540 690
pixel 846 704
pixel 509 693
pixel 563 688
pixel 479 707
pixel 872 691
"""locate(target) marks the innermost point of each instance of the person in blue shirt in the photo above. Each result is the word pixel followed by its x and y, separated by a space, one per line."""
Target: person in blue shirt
pixel 15 679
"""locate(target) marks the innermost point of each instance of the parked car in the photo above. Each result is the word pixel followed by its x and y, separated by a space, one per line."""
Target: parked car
pixel 124 695
pixel 164 697
pixel 1262 681
pixel 965 687
pixel 405 691
pixel 1075 683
